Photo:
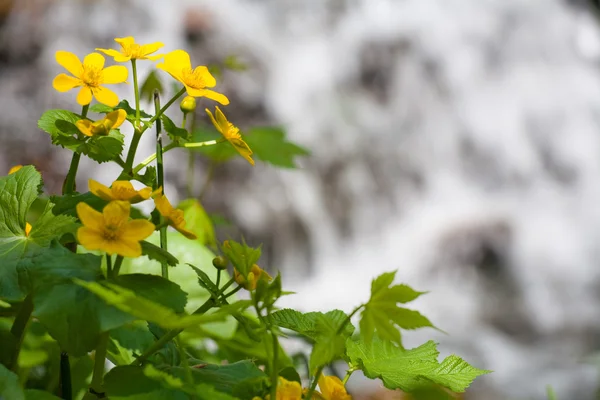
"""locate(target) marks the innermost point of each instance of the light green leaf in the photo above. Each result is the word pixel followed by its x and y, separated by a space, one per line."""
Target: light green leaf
pixel 9 385
pixel 409 370
pixel 270 145
pixel 382 315
pixel 242 256
pixel 197 221
pixel 60 125
pixel 312 324
pixel 154 252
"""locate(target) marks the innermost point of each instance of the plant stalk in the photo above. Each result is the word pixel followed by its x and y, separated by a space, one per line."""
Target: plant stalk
pixel 160 174
pixel 96 387
pixel 19 327
pixel 69 184
pixel 66 387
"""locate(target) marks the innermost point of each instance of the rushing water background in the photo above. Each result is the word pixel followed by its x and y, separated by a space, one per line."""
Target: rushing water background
pixel 456 141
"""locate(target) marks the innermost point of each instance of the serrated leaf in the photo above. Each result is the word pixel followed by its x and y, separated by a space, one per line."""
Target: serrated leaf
pixel 151 83
pixel 145 309
pixel 409 370
pixel 18 191
pixel 242 256
pixel 270 145
pixel 312 324
pixel 60 125
pixel 173 130
pixel 197 221
pixel 104 148
pixel 381 314
pixel 157 254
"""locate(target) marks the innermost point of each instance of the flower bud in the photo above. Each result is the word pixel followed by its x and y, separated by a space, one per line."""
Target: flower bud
pixel 14 169
pixel 220 262
pixel 188 104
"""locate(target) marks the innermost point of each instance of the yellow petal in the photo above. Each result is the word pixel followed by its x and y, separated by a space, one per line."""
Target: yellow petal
pixel 70 62
pixel 84 97
pixel 221 120
pixel 116 212
pixel 90 217
pixel 126 41
pixel 116 118
pixel 90 238
pixel 123 190
pixel 138 229
pixel 175 62
pixel 145 193
pixel 85 127
pixel 150 48
pixel 163 206
pixel 93 60
pixel 27 228
pixel 64 83
pixel 106 96
pixel 122 58
pixel 155 57
pixel 218 97
pixel 115 74
pixel 100 190
pixel 14 169
pixel 242 148
pixel 188 234
pixel 205 76
pixel 110 52
pixel 214 121
pixel 123 247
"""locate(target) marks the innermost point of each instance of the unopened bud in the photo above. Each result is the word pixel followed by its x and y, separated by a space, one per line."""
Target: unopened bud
pixel 188 104
pixel 220 262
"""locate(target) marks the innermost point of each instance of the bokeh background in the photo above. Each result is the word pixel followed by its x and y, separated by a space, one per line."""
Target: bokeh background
pixel 457 141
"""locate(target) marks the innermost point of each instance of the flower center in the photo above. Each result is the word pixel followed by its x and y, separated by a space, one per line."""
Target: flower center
pixel 111 232
pixel 92 76
pixel 123 193
pixel 132 50
pixel 232 132
pixel 193 78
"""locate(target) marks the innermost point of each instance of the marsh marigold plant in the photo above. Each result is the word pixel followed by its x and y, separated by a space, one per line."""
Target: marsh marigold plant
pixel 94 276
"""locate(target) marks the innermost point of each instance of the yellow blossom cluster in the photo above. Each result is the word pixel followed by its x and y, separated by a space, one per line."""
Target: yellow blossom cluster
pixel 332 388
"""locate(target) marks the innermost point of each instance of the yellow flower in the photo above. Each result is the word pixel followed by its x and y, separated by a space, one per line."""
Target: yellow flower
pixel 177 63
pixel 111 231
pixel 120 190
pixel 332 388
pixel 173 215
pixel 288 390
pixel 112 120
pixel 14 169
pixel 131 50
pixel 90 76
pixel 27 228
pixel 231 133
pixel 256 273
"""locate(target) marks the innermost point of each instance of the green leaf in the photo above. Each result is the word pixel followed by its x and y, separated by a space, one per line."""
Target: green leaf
pixel 409 370
pixel 9 385
pixel 17 193
pixel 312 324
pixel 60 125
pixel 151 83
pixel 104 148
pixel 128 339
pixel 156 253
pixel 130 383
pixel 149 177
pixel 145 309
pixel 32 394
pixel 269 144
pixel 66 204
pixel 382 315
pixel 197 221
pixel 200 391
pixel 173 130
pixel 124 105
pixel 73 316
pixel 242 256
pixel 157 288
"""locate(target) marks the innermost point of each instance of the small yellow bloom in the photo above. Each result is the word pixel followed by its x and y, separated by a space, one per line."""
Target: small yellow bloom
pixel 173 215
pixel 120 190
pixel 288 390
pixel 90 76
pixel 177 63
pixel 14 169
pixel 256 273
pixel 332 388
pixel 27 228
pixel 231 133
pixel 131 50
pixel 112 120
pixel 111 230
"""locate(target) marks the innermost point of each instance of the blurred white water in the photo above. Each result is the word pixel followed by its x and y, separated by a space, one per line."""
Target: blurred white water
pixel 456 141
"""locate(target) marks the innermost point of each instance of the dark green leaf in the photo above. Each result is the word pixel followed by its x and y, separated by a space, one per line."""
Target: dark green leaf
pixel 130 383
pixel 156 288
pixel 124 105
pixel 60 125
pixel 173 130
pixel 32 394
pixel 156 253
pixel 270 145
pixel 149 177
pixel 9 385
pixel 104 148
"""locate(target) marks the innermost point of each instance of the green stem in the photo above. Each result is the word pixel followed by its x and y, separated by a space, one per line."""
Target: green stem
pixel 348 373
pixel 117 266
pixel 135 141
pixel 186 365
pixel 314 383
pixel 234 291
pixel 218 278
pixel 160 173
pixel 109 269
pixel 69 184
pixel 136 93
pixel 18 329
pixel 274 372
pixel 162 110
pixel 66 387
pixel 347 320
pixel 201 144
pixel 153 157
pixel 96 386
